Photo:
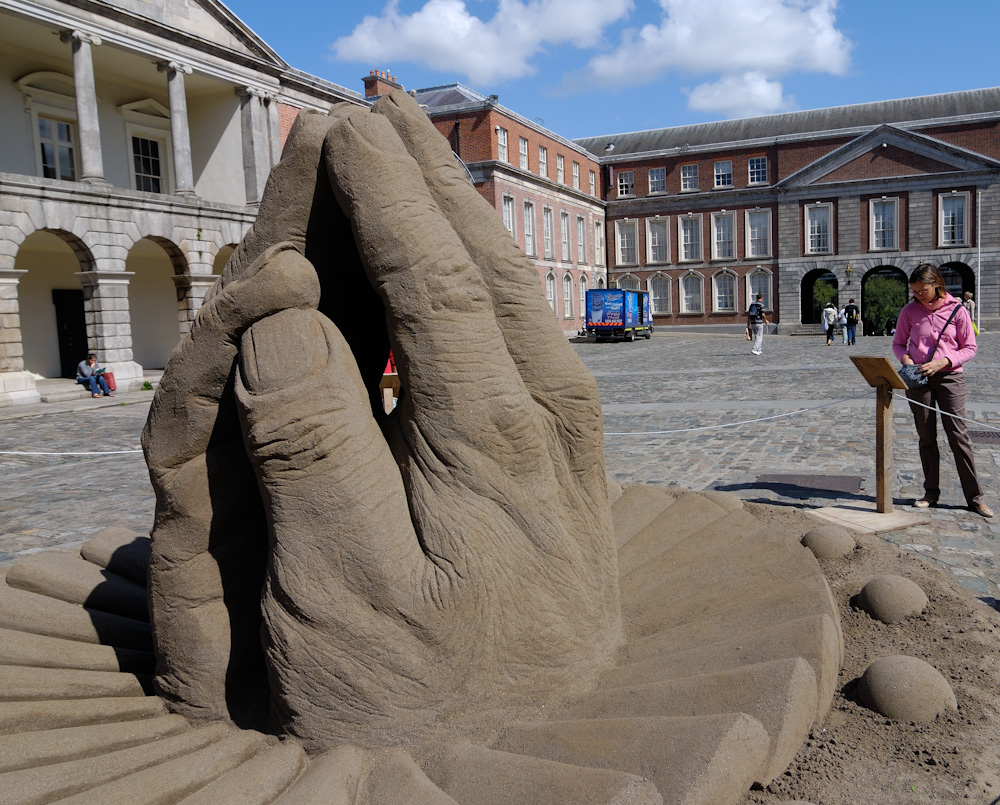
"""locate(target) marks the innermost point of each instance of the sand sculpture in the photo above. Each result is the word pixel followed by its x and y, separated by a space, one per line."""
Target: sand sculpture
pixel 448 604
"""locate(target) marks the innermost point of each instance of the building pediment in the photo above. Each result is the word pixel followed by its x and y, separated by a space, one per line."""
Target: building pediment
pixel 190 22
pixel 888 152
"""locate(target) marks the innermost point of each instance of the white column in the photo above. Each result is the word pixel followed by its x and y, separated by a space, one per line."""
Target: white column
pixel 91 159
pixel 274 129
pixel 180 133
pixel 256 146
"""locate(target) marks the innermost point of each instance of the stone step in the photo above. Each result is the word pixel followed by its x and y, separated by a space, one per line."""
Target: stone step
pixel 50 715
pixel 24 648
pixel 22 684
pixel 121 551
pixel 43 784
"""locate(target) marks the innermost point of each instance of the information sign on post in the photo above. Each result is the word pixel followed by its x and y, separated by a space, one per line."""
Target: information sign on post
pixel 883 377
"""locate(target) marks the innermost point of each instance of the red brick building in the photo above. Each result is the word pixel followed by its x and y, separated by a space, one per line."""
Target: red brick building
pixel 707 216
pixel 546 189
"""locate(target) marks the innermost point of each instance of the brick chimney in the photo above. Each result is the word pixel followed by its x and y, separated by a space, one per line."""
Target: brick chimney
pixel 379 82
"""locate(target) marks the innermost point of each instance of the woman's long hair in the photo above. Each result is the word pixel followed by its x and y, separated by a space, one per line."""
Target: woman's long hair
pixel 925 272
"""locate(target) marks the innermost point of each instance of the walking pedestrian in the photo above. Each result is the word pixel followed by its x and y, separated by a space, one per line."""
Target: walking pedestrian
pixel 829 320
pixel 853 316
pixel 934 333
pixel 842 321
pixel 756 319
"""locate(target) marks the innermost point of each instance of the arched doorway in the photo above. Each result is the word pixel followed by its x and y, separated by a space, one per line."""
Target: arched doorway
pixel 884 291
pixel 818 287
pixel 958 278
pixel 50 301
pixel 153 301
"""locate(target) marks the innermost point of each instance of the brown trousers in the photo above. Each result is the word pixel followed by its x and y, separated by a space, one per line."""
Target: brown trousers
pixel 947 390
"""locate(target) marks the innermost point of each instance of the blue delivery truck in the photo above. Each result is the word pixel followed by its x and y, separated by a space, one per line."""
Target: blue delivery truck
pixel 614 313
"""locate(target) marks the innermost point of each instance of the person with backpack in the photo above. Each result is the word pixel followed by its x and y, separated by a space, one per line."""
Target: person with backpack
pixel 756 319
pixel 853 316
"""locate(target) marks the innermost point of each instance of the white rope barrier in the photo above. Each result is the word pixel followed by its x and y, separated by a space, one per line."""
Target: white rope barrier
pixel 902 395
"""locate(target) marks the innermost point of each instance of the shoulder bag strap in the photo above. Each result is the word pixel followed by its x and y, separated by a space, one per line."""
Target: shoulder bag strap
pixel 953 312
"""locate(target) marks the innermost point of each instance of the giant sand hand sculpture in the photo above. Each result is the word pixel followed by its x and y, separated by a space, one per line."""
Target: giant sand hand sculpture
pixel 453 556
pixel 440 605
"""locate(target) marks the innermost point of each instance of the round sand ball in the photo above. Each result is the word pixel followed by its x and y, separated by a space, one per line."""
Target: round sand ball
pixel 906 689
pixel 828 542
pixel 891 599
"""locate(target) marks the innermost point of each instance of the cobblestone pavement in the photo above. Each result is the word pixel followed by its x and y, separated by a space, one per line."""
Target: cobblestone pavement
pixel 695 410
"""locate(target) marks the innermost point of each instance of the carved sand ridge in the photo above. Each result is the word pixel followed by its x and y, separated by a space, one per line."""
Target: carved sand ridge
pixel 731 653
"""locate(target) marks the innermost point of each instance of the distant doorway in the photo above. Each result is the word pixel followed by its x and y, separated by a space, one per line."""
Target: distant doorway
pixel 884 291
pixel 818 287
pixel 71 329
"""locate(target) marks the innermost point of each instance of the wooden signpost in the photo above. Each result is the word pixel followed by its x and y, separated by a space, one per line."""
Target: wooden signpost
pixel 883 377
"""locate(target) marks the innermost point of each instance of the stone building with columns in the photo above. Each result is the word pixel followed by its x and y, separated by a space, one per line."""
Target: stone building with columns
pixel 135 141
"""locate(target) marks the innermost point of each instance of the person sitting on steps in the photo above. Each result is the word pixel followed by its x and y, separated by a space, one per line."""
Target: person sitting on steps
pixel 87 374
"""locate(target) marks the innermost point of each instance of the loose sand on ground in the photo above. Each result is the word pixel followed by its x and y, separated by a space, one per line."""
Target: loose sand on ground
pixel 858 757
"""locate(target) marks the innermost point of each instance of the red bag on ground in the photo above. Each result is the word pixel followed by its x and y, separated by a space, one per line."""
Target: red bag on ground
pixel 109 378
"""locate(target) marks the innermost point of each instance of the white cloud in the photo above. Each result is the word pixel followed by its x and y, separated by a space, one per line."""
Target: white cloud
pixel 746 95
pixel 745 45
pixel 443 35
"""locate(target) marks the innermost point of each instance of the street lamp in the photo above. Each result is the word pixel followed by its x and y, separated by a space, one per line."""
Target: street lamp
pixel 848 271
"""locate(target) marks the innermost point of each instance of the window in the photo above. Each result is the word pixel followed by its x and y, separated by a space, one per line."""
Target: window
pixel 576 175
pixel 723 235
pixel 501 144
pixel 550 291
pixel 626 183
pixel 581 241
pixel 760 284
pixel 689 178
pixel 564 232
pixel 818 218
pixel 953 212
pixel 543 161
pixel 529 228
pixel 598 243
pixel 660 293
pixel 757 169
pixel 689 234
pixel 147 132
pixel 146 164
pixel 593 183
pixel 508 213
pixel 628 249
pixel 758 234
pixel 692 293
pixel 567 297
pixel 560 169
pixel 882 223
pixel 58 151
pixel 628 283
pixel 583 294
pixel 725 292
pixel 657 180
pixel 724 173
pixel 522 150
pixel 657 244
pixel 547 233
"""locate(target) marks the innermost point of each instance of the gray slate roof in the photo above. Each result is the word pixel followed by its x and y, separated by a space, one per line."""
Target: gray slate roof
pixel 970 103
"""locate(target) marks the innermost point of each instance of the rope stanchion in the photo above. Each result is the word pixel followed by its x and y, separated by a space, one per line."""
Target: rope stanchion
pixel 732 424
pixel 903 396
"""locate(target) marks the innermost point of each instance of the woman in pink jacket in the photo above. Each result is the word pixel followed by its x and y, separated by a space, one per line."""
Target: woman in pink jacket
pixel 918 327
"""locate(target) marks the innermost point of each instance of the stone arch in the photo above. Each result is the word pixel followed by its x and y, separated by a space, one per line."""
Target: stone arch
pixel 222 257
pixel 958 278
pixel 50 295
pixel 812 296
pixel 155 264
pixel 874 319
pixel 629 282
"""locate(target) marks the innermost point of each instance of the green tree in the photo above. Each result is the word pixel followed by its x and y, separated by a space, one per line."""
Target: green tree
pixel 883 298
pixel 823 291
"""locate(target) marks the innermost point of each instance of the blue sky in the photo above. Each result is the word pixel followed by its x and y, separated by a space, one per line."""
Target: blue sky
pixel 588 67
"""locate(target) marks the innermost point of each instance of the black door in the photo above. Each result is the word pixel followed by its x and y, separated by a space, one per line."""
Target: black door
pixel 72 326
